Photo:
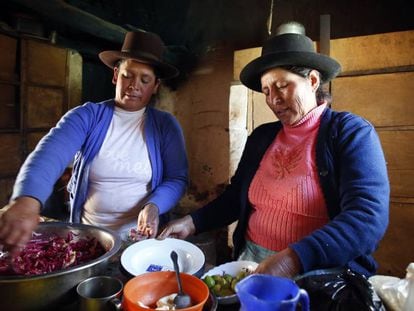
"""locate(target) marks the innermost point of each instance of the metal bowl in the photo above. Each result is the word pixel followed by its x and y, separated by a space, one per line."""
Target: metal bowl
pixel 46 291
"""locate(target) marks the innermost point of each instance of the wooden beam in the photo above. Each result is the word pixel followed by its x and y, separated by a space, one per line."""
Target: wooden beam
pixel 60 12
pixel 325 34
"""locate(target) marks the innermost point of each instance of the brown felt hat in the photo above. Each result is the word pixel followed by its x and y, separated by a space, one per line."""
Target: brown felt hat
pixel 289 47
pixel 145 47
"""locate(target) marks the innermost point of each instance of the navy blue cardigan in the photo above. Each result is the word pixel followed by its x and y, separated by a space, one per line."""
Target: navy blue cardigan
pixel 354 181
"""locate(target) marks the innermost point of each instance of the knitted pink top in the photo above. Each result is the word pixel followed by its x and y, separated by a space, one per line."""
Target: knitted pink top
pixel 285 194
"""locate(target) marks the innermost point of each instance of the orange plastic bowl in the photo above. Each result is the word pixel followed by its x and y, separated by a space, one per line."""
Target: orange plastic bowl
pixel 148 288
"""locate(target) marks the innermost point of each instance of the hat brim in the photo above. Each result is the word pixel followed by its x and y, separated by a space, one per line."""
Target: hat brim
pixel 164 70
pixel 251 74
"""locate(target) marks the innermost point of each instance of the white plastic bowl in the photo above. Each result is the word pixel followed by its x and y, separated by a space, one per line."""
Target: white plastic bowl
pixel 154 255
pixel 231 268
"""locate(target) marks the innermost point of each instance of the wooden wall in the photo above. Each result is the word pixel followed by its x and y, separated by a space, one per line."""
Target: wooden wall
pixel 39 82
pixel 200 106
pixel 377 83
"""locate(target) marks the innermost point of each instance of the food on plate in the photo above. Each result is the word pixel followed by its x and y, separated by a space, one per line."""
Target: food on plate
pixel 52 253
pixel 164 303
pixel 224 284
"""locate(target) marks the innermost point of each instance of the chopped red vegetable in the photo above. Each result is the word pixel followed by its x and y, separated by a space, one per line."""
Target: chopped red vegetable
pixel 43 255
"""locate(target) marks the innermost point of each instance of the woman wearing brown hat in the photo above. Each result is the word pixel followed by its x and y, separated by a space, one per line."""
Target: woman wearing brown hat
pixel 311 190
pixel 130 164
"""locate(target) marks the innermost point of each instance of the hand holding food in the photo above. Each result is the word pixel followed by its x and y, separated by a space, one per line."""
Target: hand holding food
pixel 18 222
pixel 178 228
pixel 135 236
pixel 148 221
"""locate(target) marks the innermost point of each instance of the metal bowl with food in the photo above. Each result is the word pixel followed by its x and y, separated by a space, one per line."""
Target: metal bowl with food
pixel 53 289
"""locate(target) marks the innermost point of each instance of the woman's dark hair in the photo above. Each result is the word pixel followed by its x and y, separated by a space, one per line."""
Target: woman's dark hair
pixel 322 95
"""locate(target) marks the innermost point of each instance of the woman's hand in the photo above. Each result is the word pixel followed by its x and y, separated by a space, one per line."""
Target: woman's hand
pixel 18 222
pixel 284 263
pixel 179 228
pixel 148 221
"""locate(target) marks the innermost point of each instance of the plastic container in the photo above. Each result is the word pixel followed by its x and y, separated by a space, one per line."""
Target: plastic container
pixel 409 302
pixel 262 292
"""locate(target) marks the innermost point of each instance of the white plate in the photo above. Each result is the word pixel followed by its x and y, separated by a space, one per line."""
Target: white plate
pixel 231 268
pixel 154 255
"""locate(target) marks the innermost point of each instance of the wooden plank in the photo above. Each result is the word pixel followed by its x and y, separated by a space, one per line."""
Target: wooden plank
pixel 374 51
pixel 250 120
pixel 398 148
pixel 400 160
pixel 238 110
pixel 10 154
pixel 44 107
pixel 74 72
pixel 402 200
pixel 401 182
pixel 241 58
pixel 8 47
pixel 396 250
pixel 33 139
pixel 46 64
pixel 8 107
pixel 362 53
pixel 6 188
pixel 384 99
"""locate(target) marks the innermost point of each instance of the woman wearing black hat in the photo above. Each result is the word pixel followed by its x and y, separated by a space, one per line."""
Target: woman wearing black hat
pixel 130 164
pixel 311 191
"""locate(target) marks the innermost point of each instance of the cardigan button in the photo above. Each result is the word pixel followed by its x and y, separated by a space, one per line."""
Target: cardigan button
pixel 323 173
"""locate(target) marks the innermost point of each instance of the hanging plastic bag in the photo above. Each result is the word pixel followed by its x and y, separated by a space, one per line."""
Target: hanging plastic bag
pixel 397 294
pixel 340 292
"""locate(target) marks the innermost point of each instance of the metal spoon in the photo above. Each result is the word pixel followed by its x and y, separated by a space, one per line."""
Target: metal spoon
pixel 182 300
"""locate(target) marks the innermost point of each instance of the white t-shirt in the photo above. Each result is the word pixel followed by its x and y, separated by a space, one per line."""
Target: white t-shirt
pixel 120 174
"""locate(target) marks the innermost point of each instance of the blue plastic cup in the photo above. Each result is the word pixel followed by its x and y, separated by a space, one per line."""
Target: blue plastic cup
pixel 270 293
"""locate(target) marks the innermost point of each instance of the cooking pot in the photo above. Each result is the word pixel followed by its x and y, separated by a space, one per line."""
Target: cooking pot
pixel 57 289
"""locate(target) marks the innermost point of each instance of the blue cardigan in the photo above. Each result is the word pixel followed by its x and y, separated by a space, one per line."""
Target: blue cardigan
pixel 354 181
pixel 79 135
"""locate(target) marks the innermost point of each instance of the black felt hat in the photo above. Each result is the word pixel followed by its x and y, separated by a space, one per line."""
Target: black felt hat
pixel 145 47
pixel 290 47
